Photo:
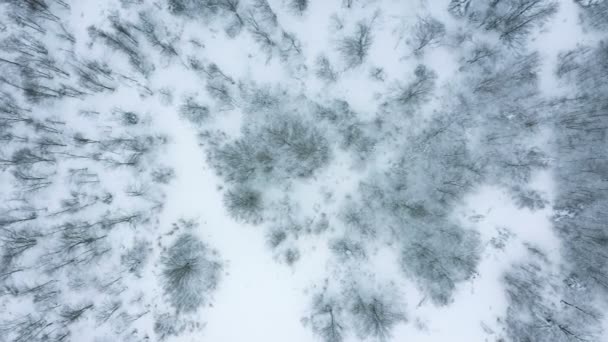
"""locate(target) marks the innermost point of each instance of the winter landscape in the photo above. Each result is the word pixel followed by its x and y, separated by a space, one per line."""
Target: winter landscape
pixel 304 170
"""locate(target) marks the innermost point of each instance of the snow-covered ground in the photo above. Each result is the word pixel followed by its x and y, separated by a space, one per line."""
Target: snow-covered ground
pixel 342 170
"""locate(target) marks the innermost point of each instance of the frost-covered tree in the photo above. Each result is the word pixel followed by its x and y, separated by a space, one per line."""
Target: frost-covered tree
pixel 136 257
pixel 167 325
pixel 261 26
pixel 355 48
pixel 376 317
pixel 14 243
pixel 347 249
pixel 233 7
pixel 427 32
pixel 411 202
pixel 482 53
pixel 190 273
pixel 439 256
pixel 513 20
pixel 327 319
pixel 459 8
pixel 368 314
pixel 594 13
pixel 298 6
pixel 290 46
pixel 32 328
pixel 192 8
pixel 158 36
pixel 95 76
pixel 276 237
pixel 348 3
pixel 433 172
pixel 265 12
pixel 194 111
pixel 537 312
pixel 354 135
pixel 288 147
pixel 122 38
pixel 581 128
pixel 324 69
pixel 244 203
pixel 418 90
pixel 515 77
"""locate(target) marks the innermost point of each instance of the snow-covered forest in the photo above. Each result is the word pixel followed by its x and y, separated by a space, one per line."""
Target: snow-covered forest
pixel 304 170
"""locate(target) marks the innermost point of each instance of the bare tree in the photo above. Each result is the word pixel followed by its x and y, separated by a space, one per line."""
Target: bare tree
pixel 265 12
pixel 376 317
pixel 419 90
pixel 513 20
pixel 95 76
pixel 233 7
pixel 348 3
pixel 428 32
pixel 459 8
pixel 193 8
pixel 326 319
pixel 158 37
pixel 260 34
pixel 15 242
pixel 355 48
pixel 193 111
pixel 124 40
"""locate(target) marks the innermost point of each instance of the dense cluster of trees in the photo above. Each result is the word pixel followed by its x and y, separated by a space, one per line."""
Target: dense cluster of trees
pixel 354 134
pixel 580 168
pixel 594 13
pixel 280 149
pixel 284 147
pixel 488 132
pixel 540 311
pixel 82 187
pixel 413 199
pixel 512 20
pixel 544 305
pixel 371 314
